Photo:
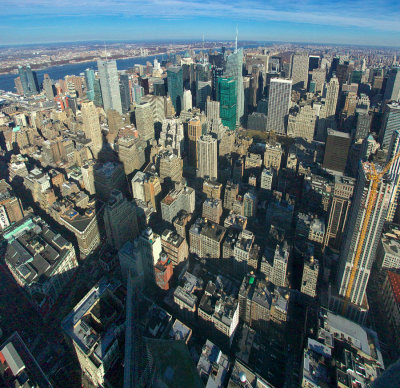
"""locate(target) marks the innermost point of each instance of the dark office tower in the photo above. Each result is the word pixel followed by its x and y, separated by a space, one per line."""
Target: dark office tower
pixel 392 90
pixel 29 80
pixel 175 87
pixel 159 87
pixel 216 72
pixel 334 65
pixel 48 87
pixel 89 80
pixel 339 210
pixel 186 75
pixel 390 122
pixel 336 150
pixel 125 92
pixel 227 99
pixel 202 72
pixel 98 97
pixel 202 93
pixel 144 83
pixel 356 76
pixel 313 62
pixel 108 75
pixel 216 59
pixel 343 73
pixel 363 126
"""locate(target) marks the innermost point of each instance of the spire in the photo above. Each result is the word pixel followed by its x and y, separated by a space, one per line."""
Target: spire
pixel 236 39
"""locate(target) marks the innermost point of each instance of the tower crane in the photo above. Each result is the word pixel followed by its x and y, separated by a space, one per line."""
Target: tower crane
pixel 375 178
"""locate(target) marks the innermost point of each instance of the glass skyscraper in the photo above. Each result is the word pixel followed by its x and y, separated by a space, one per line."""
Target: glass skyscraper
pixel 175 86
pixel 227 98
pixel 29 80
pixel 89 79
pixel 98 98
pixel 108 74
pixel 234 68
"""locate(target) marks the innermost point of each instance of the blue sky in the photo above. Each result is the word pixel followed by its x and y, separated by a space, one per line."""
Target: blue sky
pixel 356 22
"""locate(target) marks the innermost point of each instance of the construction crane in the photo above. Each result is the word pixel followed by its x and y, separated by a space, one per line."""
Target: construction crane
pixel 375 178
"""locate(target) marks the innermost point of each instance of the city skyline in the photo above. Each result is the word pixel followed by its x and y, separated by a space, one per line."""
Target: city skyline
pixel 368 23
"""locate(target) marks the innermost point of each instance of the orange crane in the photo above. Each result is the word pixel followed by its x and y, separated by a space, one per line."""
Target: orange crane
pixel 375 178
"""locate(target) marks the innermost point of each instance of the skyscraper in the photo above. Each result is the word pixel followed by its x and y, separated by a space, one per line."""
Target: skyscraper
pixel 332 93
pixel 91 126
pixel 278 104
pixel 392 90
pixel 299 70
pixel 194 132
pixel 98 97
pixel 336 150
pixel 187 100
pixel 120 220
pixel 207 157
pixel 48 87
pixel 89 79
pixel 361 198
pixel 175 86
pixel 394 173
pixel 125 92
pixel 390 122
pixel 234 69
pixel 227 89
pixel 145 121
pixel 108 74
pixel 29 80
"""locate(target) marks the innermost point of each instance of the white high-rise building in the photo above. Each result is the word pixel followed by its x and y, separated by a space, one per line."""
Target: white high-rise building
pixel 332 93
pixel 299 70
pixel 357 216
pixel 109 82
pixel 278 104
pixel 187 100
pixel 145 121
pixel 213 108
pixel 207 157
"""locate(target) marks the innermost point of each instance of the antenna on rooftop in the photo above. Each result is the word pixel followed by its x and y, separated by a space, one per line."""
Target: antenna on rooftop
pixel 105 50
pixel 237 32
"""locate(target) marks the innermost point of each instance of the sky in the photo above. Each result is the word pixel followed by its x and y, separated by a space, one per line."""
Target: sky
pixel 367 22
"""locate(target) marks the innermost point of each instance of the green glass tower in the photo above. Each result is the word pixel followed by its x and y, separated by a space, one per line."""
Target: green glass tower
pixel 175 86
pixel 227 99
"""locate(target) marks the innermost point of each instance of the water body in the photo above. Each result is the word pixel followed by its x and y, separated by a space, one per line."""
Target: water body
pixel 59 72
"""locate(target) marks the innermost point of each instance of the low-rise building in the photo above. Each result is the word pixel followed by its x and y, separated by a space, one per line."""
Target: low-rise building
pixel 213 366
pixel 344 354
pixel 18 367
pixel 212 209
pixel 41 261
pixel 310 276
pixel 212 189
pixel 175 246
pixel 181 198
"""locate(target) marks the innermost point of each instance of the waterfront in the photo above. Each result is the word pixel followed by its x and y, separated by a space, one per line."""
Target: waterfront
pixel 59 72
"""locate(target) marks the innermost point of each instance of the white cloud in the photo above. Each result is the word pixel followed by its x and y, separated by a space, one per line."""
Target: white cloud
pixel 378 15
